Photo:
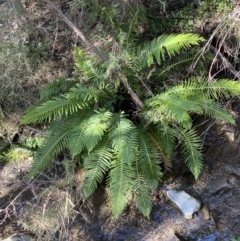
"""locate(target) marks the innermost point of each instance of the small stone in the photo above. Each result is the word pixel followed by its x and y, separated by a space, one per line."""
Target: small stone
pixel 230 136
pixel 205 213
pixel 186 203
pixel 13 175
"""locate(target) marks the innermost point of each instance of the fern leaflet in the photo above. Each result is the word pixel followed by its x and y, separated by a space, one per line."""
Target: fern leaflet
pixel 96 164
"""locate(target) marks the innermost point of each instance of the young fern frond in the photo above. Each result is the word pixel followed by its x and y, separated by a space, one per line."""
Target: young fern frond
pixel 96 164
pixel 224 88
pixel 167 45
pixel 89 68
pixel 77 98
pixel 163 143
pixel 191 150
pixel 57 87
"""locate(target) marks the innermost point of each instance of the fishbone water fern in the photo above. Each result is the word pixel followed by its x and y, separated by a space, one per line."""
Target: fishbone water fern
pixel 96 121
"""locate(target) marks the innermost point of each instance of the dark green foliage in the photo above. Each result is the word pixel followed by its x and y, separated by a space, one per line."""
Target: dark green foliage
pixel 88 119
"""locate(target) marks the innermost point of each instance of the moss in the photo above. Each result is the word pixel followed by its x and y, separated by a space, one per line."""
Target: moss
pixel 15 154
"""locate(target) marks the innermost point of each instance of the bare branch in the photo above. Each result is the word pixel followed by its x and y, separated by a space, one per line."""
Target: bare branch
pixel 95 50
pixel 226 63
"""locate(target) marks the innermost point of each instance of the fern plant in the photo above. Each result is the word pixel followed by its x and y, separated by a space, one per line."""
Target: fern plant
pixel 89 119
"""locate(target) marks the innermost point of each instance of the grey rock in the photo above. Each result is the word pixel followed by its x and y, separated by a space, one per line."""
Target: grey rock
pixel 17 237
pixel 218 184
pixel 186 203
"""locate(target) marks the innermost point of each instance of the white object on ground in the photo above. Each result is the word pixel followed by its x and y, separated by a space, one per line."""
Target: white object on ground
pixel 186 203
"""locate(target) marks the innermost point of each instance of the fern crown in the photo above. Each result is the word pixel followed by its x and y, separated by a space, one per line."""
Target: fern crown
pixel 88 119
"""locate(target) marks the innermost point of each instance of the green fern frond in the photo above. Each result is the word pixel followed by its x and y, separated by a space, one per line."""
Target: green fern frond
pixel 169 45
pixel 142 194
pixel 53 109
pixel 96 126
pixel 191 150
pixel 96 164
pixel 89 94
pixel 224 88
pixel 120 184
pixel 123 135
pixel 55 143
pixel 163 142
pixel 203 89
pixel 77 141
pixel 215 110
pixel 77 98
pixel 57 87
pixel 90 69
pixel 149 159
pixel 167 136
pixel 181 64
pixel 173 107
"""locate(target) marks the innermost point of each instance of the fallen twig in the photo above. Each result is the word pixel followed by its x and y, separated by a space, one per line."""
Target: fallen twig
pixel 95 50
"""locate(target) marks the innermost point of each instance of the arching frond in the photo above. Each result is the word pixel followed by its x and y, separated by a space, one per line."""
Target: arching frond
pixel 97 124
pixel 77 141
pixel 163 142
pixel 55 143
pixel 57 87
pixel 169 45
pixel 120 184
pixel 202 88
pixel 182 64
pixel 77 98
pixel 191 150
pixel 172 107
pixel 166 135
pixel 53 109
pixel 89 94
pixel 124 136
pixel 96 164
pixel 149 159
pixel 142 193
pixel 215 110
pixel 224 88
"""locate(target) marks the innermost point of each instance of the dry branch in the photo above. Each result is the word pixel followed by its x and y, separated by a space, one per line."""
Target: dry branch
pixel 226 63
pixel 95 50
